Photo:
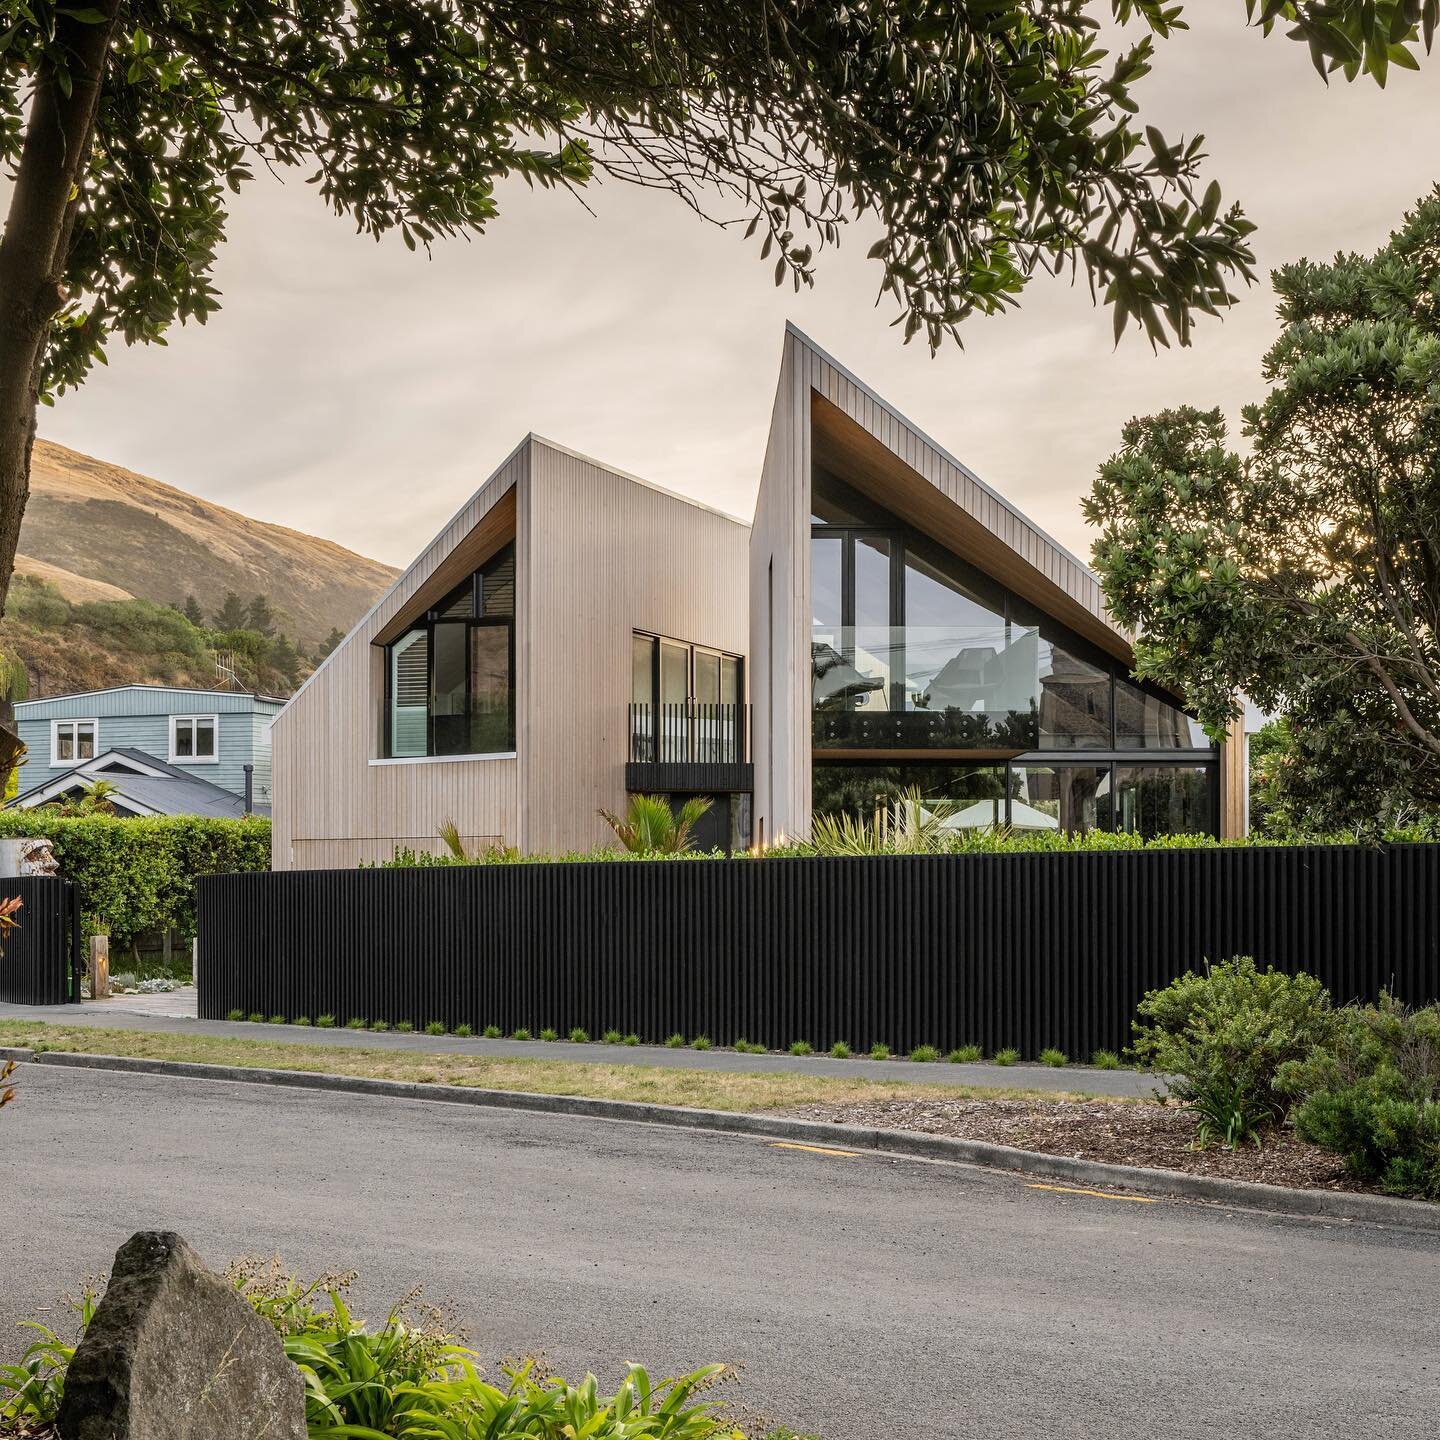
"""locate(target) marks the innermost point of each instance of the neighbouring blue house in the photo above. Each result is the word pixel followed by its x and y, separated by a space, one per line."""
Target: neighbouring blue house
pixel 167 751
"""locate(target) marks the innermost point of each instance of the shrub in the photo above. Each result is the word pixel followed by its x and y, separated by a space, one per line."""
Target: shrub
pixel 879 1051
pixel 492 1032
pixel 379 1024
pixel 302 1020
pixel 404 1027
pixel 1373 1097
pixel 463 1032
pixel 235 1015
pixel 579 1036
pixel 1055 1059
pixel 700 1042
pixel 1220 1040
pixel 277 1019
pixel 632 1039
pixel 925 1054
pixel 839 1051
pixel 1005 1057
pixel 435 1027
pixel 355 1023
pixel 965 1055
pixel 139 875
pixel 611 1037
pixel 675 1042
pixel 547 1034
pixel 1105 1060
pixel 255 1018
pixel 801 1047
pixel 521 1034
pixel 324 1022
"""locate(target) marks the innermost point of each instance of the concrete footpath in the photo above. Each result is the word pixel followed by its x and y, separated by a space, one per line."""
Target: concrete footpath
pixel 133 1013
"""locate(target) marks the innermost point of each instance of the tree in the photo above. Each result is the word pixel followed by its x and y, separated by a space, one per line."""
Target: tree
pixel 192 612
pixel 232 614
pixel 989 138
pixel 333 639
pixel 259 616
pixel 283 658
pixel 1308 574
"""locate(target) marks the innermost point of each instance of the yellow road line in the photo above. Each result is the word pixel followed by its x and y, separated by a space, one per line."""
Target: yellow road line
pixel 1098 1194
pixel 814 1149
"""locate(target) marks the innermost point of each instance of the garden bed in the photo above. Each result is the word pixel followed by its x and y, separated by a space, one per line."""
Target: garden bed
pixel 1148 1134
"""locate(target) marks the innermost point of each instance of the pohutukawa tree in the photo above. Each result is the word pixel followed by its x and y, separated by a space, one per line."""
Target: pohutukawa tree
pixel 1306 573
pixel 988 138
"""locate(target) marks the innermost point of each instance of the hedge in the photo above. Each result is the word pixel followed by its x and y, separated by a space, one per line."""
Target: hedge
pixel 139 875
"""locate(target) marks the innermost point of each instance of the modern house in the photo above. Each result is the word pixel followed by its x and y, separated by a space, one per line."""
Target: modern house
pixel 166 750
pixel 575 635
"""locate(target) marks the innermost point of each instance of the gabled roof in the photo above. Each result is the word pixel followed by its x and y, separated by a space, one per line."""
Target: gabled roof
pixel 143 785
pixel 40 700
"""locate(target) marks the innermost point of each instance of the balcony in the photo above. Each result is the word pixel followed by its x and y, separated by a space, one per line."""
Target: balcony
pixel 689 746
pixel 962 688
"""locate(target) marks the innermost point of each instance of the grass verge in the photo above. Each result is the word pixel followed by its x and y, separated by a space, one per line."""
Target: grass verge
pixel 649 1084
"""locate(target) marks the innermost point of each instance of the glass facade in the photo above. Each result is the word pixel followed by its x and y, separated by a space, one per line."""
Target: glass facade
pixel 450 679
pixel 913 649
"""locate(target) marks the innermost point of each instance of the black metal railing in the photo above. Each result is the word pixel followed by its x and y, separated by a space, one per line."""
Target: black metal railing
pixel 689 733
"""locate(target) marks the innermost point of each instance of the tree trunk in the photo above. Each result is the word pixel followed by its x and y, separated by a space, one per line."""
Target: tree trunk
pixel 33 251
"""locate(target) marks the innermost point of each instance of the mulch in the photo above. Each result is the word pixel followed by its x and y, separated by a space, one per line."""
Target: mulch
pixel 1145 1133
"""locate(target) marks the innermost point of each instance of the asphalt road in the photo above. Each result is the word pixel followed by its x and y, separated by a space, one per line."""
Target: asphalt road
pixel 865 1297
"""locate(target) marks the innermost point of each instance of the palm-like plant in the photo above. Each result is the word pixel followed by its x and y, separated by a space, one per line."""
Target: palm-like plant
pixel 650 827
pixel 910 825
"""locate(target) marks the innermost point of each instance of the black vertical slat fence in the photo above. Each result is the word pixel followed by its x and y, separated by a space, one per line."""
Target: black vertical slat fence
pixel 1005 950
pixel 42 959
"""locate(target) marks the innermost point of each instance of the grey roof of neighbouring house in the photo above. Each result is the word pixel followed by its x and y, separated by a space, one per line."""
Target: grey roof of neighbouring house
pixel 168 790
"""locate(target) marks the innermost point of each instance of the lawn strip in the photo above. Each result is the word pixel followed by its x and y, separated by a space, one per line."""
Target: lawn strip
pixel 655 1085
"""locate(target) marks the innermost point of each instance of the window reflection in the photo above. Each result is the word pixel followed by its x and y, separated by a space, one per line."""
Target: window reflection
pixel 1156 800
pixel 1072 798
pixel 1145 722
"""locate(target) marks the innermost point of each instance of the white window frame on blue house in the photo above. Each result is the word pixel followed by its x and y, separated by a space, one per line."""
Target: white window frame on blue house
pixel 193 722
pixel 74 727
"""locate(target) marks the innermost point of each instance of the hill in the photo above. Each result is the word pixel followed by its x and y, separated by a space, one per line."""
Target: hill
pixel 97 532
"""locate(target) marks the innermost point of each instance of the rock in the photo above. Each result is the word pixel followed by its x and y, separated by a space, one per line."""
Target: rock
pixel 175 1353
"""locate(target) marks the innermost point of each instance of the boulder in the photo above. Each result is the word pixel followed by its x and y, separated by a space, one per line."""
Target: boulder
pixel 176 1353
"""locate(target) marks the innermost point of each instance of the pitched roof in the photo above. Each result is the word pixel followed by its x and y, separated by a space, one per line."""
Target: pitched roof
pixel 153 787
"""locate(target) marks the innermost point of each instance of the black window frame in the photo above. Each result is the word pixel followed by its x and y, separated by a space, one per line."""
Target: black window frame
pixel 433 619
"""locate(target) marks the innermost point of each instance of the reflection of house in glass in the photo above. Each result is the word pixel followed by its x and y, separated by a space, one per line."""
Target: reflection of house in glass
pixel 953 646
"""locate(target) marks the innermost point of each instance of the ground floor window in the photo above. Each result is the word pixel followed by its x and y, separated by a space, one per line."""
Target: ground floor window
pixel 1147 800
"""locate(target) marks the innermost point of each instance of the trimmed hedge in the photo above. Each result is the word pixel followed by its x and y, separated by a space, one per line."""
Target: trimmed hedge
pixel 139 875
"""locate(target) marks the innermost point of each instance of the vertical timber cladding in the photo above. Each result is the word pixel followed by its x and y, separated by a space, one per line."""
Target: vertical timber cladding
pixel 1005 950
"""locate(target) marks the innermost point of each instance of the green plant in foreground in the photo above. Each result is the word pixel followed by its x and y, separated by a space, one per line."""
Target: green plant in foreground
pixel 632 1039
pixel 1221 1038
pixel 235 1015
pixel 925 1054
pixel 32 1388
pixel 379 1024
pixel 879 1051
pixel 965 1055
pixel 1105 1060
pixel 520 1033
pixel 435 1027
pixel 493 1032
pixel 302 1021
pixel 650 827
pixel 549 1035
pixel 676 1041
pixel 611 1037
pixel 839 1051
pixel 579 1036
pixel 1007 1056
pixel 355 1022
pixel 255 1018
pixel 700 1042
pixel 801 1048
pixel 1055 1059
pixel 324 1022
pixel 404 1027
pixel 277 1020
pixel 463 1032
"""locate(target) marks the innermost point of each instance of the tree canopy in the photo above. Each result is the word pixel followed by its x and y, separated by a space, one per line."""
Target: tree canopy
pixel 1307 573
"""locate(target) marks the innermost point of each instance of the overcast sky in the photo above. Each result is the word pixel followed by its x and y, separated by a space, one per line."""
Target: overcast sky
pixel 361 393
